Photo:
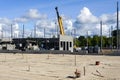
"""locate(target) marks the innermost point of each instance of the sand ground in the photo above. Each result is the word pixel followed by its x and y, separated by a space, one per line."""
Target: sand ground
pixel 58 67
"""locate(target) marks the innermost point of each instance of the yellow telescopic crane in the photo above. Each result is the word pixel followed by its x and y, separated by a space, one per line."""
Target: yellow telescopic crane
pixel 60 22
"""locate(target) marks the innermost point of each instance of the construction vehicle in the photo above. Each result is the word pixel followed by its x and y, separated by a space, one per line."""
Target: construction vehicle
pixel 65 41
pixel 60 22
pixel 61 25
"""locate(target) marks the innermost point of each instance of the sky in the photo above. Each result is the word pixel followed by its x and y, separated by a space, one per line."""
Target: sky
pixel 80 15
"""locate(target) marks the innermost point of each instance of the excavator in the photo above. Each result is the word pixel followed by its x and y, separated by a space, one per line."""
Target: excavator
pixel 60 22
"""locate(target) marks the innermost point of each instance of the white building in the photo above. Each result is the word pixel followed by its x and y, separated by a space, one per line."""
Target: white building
pixel 66 43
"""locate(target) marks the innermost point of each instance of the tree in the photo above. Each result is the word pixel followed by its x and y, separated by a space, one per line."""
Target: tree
pixel 89 41
pixel 95 40
pixel 104 41
pixel 82 41
pixel 77 42
pixel 114 33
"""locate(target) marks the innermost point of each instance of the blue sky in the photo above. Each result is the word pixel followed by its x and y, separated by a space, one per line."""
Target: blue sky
pixel 77 14
pixel 70 8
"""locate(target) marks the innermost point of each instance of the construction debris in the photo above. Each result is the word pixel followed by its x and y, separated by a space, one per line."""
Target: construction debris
pixel 77 73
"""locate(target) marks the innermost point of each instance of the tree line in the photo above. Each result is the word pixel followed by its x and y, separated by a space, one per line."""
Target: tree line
pixel 107 42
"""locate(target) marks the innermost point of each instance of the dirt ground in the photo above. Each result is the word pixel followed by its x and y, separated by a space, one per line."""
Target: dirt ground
pixel 58 67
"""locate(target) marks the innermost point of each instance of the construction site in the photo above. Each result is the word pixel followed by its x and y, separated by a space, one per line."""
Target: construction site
pixel 62 56
pixel 63 42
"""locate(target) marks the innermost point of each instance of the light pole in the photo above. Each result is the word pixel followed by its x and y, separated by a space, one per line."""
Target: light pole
pixel 23 32
pixel 35 31
pixel 11 31
pixel 56 29
pixel 101 36
pixel 44 33
pixel 117 26
pixel 74 37
pixel 111 38
pixel 75 44
pixel 87 40
pixel 1 34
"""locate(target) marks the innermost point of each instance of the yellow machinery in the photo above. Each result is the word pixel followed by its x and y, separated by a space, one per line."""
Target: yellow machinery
pixel 60 22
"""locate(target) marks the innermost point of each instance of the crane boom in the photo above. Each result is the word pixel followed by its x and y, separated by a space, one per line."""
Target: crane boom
pixel 60 22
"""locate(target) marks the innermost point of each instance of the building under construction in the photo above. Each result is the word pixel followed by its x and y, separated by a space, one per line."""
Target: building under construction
pixel 63 42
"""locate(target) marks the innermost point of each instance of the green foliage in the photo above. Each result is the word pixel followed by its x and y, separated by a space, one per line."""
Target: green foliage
pixel 114 33
pixel 77 42
pixel 53 36
pixel 104 41
pixel 96 40
pixel 82 41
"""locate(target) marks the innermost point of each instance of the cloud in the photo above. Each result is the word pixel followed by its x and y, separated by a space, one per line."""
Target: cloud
pixel 51 27
pixel 5 21
pixel 39 34
pixel 86 16
pixel 15 28
pixel 0 30
pixel 67 24
pixel 5 27
pixel 21 20
pixel 109 19
pixel 31 14
pixel 45 24
pixel 34 14
pixel 86 21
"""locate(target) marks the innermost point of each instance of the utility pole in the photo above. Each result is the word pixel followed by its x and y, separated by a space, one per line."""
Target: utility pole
pixel 87 39
pixel 35 31
pixel 109 32
pixel 1 34
pixel 75 46
pixel 44 32
pixel 23 32
pixel 31 34
pixel 74 38
pixel 111 37
pixel 117 26
pixel 101 36
pixel 11 31
pixel 56 29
